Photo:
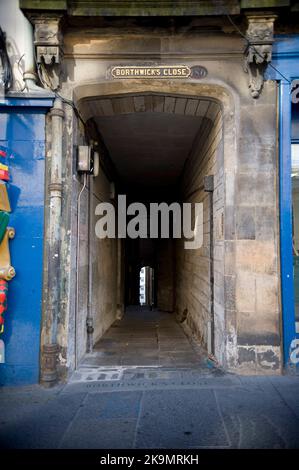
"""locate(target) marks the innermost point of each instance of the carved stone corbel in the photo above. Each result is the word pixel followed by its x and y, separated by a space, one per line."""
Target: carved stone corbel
pixel 258 52
pixel 48 47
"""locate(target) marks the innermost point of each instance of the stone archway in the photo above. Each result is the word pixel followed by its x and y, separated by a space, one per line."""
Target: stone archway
pixel 108 99
pixel 246 331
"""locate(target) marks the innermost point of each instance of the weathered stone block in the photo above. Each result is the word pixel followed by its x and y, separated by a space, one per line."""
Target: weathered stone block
pixel 265 223
pixel 259 120
pixel 229 223
pixel 230 257
pixel 229 188
pixel 246 355
pixel 230 292
pixel 266 189
pixel 245 292
pixel 246 189
pixel 245 223
pixel 256 328
pixel 268 358
pixel 247 154
pixel 256 256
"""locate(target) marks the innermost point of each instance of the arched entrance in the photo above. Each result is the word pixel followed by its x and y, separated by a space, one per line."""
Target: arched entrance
pixel 164 141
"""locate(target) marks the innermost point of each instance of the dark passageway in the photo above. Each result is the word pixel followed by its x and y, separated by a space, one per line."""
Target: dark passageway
pixel 161 149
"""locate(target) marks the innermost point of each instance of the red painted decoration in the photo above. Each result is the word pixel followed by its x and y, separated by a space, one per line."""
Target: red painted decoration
pixel 4 175
pixel 3 302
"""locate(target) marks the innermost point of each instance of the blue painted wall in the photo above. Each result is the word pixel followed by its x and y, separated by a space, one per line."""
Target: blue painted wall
pixel 286 68
pixel 22 136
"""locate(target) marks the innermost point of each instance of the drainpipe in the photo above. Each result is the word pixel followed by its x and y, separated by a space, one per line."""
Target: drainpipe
pixel 77 269
pixel 89 318
pixel 29 75
pixel 20 38
pixel 87 166
pixel 51 348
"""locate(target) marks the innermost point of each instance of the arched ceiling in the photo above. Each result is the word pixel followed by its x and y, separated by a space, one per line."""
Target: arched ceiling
pixel 150 102
pixel 150 136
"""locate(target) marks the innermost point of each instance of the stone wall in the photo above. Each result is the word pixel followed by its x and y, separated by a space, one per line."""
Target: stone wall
pixel 246 262
pixel 193 267
pixel 104 255
pixel 254 227
pixel 105 268
pixel 165 273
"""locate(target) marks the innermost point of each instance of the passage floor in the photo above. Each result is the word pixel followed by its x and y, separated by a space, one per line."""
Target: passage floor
pixel 145 338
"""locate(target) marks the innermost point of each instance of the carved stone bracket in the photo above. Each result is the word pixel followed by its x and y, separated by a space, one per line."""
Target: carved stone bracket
pixel 258 52
pixel 48 47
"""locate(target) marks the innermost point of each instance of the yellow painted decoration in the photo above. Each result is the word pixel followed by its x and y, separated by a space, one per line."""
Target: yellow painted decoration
pixel 4 201
pixel 7 272
pixel 3 167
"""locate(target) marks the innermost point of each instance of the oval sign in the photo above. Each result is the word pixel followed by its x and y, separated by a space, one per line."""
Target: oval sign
pixel 151 71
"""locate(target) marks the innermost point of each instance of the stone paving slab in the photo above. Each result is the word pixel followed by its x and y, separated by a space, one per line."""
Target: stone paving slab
pixel 201 411
pixel 255 419
pixel 288 391
pixel 38 425
pixel 145 338
pixel 84 433
pixel 170 418
pixel 116 415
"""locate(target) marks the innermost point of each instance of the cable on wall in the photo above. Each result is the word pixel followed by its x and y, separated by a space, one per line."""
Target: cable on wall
pixel 255 50
pixel 6 72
